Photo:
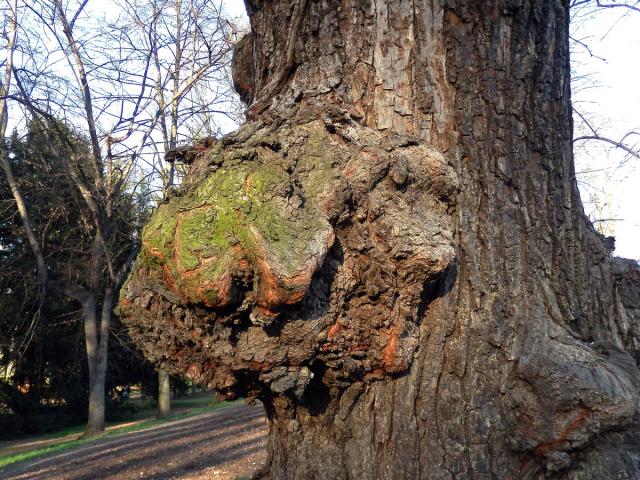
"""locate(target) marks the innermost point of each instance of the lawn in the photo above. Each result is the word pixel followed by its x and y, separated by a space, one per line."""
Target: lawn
pixel 139 419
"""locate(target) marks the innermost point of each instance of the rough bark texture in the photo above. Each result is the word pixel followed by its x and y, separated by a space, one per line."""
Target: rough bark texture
pixel 392 254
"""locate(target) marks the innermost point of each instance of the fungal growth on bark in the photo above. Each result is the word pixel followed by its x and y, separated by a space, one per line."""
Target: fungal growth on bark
pixel 392 256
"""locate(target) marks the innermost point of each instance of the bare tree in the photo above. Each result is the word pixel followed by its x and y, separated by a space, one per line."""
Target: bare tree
pixel 185 47
pixel 97 85
pixel 605 150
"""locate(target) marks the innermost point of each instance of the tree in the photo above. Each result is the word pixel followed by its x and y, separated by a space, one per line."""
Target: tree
pixel 96 178
pixel 185 47
pixel 605 149
pixel 392 254
pixel 103 92
pixel 41 349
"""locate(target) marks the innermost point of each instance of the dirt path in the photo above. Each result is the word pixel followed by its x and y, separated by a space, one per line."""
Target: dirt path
pixel 226 444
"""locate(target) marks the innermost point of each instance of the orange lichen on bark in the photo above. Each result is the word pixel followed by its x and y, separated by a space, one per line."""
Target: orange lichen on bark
pixel 262 366
pixel 546 447
pixel 333 331
pixel 221 288
pixel 277 289
pixel 389 352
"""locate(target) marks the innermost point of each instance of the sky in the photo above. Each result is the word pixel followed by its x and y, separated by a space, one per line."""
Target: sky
pixel 613 104
pixel 611 101
pixel 235 8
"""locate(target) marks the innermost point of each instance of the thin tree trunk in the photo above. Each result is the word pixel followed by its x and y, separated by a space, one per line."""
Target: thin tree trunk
pixel 408 282
pixel 97 323
pixel 99 348
pixel 164 393
pixel 170 142
pixel 95 420
pixel 96 416
pixel 26 221
pixel 96 344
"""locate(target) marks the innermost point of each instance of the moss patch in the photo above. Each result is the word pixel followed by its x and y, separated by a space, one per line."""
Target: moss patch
pixel 248 215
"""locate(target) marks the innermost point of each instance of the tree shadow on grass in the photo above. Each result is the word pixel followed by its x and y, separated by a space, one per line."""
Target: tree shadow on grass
pixel 209 440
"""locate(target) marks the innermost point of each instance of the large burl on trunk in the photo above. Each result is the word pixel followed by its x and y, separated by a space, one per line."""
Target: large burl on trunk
pixel 392 256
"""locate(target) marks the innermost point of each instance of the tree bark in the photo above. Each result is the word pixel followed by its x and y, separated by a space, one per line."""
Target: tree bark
pixel 392 254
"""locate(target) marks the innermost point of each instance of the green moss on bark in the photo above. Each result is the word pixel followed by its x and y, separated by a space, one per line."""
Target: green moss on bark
pixel 246 212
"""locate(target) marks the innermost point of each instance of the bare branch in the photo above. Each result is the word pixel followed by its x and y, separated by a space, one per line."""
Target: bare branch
pixel 4 160
pixel 617 144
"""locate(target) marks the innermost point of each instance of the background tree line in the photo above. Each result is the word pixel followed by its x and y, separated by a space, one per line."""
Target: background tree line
pixel 43 359
pixel 93 100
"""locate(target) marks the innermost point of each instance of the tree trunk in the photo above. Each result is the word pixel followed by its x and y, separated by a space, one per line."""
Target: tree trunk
pixel 95 419
pixel 164 394
pixel 97 356
pixel 392 254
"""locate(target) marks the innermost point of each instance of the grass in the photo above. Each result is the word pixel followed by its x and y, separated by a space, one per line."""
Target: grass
pixel 193 406
pixel 141 410
pixel 65 432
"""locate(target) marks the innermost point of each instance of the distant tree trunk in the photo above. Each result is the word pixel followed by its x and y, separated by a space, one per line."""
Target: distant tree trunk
pixel 98 364
pixel 95 420
pixel 164 393
pixel 97 324
pixel 392 254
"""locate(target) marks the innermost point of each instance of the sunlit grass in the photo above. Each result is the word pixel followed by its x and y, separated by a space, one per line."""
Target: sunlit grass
pixel 143 408
pixel 195 406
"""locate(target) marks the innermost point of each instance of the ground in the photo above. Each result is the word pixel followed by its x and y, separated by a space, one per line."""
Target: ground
pixel 224 444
